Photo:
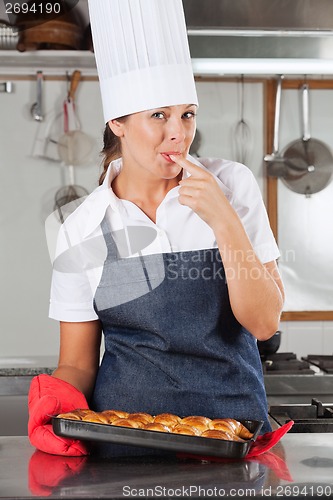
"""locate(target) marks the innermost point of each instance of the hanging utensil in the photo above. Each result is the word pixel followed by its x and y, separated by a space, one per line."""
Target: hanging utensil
pixel 242 134
pixel 74 146
pixel 311 158
pixel 67 199
pixel 67 195
pixel 36 108
pixel 276 166
pixel 67 147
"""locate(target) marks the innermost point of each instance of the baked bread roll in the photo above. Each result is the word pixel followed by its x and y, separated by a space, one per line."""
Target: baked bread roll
pixel 120 413
pixel 226 436
pixel 83 411
pixel 157 427
pixel 95 417
pixel 110 415
pixel 167 419
pixel 185 429
pixel 145 418
pixel 72 415
pixel 200 423
pixel 239 429
pixel 126 422
pixel 220 424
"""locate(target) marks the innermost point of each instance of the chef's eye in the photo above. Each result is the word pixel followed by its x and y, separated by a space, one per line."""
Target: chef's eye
pixel 189 114
pixel 158 114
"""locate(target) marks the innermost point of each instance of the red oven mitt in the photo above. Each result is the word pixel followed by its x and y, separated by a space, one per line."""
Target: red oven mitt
pixel 46 471
pixel 267 441
pixel 50 396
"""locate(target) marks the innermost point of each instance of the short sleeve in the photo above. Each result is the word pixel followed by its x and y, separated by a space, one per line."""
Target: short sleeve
pixel 72 292
pixel 71 297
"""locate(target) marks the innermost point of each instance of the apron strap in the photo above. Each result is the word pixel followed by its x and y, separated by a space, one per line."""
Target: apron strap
pixel 113 253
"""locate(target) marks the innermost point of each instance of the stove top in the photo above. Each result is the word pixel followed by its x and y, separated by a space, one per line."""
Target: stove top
pixel 285 363
pixel 295 381
pixel 324 362
pixel 314 417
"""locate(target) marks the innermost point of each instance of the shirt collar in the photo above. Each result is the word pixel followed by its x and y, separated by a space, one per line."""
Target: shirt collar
pixel 103 196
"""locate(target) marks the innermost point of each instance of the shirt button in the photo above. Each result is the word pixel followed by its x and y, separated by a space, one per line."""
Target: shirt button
pixel 161 233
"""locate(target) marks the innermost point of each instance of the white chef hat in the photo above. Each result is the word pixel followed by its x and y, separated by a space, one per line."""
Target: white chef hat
pixel 142 55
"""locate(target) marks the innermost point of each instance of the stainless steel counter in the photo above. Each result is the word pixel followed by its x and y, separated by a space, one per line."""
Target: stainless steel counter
pixel 28 366
pixel 301 465
pixel 15 378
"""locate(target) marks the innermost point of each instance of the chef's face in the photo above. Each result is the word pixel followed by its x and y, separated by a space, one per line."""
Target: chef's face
pixel 149 137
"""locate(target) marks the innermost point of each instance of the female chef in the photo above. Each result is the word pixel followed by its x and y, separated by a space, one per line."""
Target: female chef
pixel 171 258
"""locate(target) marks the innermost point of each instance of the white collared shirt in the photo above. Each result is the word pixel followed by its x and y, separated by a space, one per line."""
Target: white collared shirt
pixel 80 246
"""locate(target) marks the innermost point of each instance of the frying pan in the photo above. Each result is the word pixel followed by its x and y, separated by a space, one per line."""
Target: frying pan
pixel 310 156
pixel 278 166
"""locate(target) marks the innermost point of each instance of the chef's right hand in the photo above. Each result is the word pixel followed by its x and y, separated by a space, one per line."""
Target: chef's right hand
pixel 50 396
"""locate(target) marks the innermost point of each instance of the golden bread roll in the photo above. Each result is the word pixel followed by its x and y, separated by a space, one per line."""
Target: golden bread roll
pixel 185 429
pixel 72 415
pixel 226 436
pixel 120 413
pixel 167 419
pixel 219 424
pixel 76 414
pixel 157 427
pixel 145 418
pixel 239 428
pixel 84 411
pixel 200 423
pixel 126 422
pixel 110 415
pixel 95 417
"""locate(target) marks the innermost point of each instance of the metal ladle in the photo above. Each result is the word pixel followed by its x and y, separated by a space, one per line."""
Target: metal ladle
pixel 36 108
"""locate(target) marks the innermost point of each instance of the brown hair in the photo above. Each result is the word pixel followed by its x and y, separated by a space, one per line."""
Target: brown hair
pixel 111 149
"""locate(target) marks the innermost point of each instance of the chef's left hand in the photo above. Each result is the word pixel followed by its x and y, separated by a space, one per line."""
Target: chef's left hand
pixel 202 194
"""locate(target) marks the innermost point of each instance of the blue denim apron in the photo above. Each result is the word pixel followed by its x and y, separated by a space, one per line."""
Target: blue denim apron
pixel 172 343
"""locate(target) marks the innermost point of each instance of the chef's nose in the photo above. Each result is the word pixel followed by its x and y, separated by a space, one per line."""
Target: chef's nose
pixel 177 131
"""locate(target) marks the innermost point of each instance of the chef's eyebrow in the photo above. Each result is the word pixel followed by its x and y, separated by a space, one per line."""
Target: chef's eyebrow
pixel 169 107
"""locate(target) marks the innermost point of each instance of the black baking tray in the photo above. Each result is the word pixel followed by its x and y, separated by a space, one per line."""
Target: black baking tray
pixel 179 443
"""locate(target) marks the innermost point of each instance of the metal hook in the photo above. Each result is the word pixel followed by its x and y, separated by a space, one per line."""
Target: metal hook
pixel 6 87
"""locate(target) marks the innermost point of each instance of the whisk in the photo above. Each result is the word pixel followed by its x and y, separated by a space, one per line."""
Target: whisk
pixel 242 134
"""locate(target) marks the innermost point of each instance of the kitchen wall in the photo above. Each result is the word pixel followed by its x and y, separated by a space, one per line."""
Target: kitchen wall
pixel 28 185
